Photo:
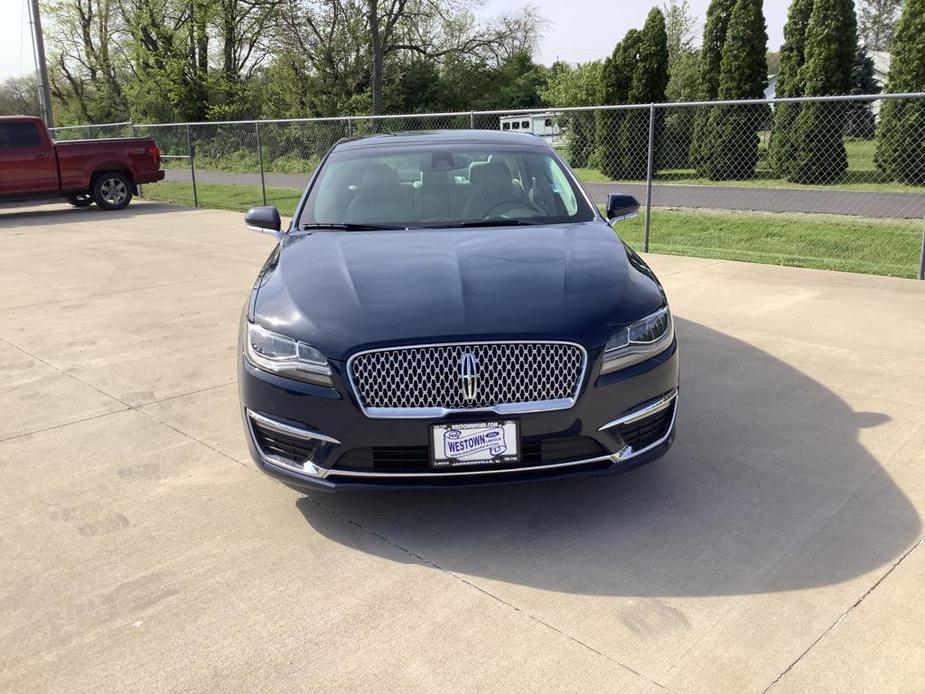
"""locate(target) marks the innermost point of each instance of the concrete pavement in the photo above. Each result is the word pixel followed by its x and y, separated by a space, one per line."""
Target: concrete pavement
pixel 777 547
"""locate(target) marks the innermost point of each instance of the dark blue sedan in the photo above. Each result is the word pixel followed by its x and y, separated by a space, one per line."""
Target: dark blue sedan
pixel 450 308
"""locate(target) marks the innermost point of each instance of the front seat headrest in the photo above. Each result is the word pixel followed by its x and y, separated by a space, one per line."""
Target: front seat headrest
pixel 380 182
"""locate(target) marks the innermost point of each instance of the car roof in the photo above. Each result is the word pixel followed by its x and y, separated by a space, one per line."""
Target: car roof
pixel 440 137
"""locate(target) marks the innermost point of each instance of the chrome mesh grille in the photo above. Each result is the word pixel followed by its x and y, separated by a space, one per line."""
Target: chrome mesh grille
pixel 430 376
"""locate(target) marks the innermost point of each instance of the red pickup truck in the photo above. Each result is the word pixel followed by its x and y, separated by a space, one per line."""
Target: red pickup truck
pixel 106 172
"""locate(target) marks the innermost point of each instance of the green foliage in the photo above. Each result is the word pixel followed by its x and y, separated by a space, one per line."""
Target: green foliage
pixel 877 23
pixel 679 28
pixel 732 139
pixel 19 96
pixel 818 150
pixel 581 86
pixel 861 122
pixel 901 147
pixel 616 74
pixel 711 55
pixel 789 84
pixel 674 135
pixel 637 73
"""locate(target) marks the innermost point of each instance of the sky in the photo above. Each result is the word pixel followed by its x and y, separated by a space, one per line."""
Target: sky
pixel 575 32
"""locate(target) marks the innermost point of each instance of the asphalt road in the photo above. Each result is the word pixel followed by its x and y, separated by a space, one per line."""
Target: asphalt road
pixel 778 545
pixel 884 205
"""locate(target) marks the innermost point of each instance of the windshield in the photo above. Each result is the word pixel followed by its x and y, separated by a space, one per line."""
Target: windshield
pixel 442 186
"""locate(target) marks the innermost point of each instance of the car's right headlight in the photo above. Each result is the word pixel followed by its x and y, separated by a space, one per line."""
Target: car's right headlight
pixel 287 357
pixel 639 341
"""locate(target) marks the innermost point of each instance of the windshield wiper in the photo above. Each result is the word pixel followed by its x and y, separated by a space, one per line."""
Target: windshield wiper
pixel 351 227
pixel 500 222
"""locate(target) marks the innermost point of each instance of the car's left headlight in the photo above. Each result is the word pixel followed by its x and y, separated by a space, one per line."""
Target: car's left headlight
pixel 639 341
pixel 287 357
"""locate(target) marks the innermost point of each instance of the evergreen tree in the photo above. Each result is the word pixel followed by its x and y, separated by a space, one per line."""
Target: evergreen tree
pixel 789 84
pixel 901 146
pixel 831 41
pixel 861 121
pixel 732 131
pixel 616 75
pixel 711 55
pixel 647 86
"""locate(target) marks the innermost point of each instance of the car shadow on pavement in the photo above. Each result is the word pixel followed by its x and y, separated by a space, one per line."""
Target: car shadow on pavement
pixel 767 488
pixel 34 215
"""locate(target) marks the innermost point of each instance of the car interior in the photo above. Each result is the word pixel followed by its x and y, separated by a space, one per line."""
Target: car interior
pixel 441 187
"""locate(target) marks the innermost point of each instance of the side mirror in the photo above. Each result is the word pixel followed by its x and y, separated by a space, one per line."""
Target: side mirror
pixel 263 219
pixel 620 207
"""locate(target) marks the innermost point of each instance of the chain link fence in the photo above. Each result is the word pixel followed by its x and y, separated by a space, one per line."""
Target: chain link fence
pixel 830 182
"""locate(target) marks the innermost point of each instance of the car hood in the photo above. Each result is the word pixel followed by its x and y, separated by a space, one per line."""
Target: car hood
pixel 345 291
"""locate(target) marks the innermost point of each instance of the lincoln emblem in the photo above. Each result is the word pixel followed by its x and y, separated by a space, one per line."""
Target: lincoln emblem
pixel 468 376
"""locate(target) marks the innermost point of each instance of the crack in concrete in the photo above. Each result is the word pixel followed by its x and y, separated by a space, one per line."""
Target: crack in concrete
pixel 844 615
pixel 81 297
pixel 474 586
pixel 126 407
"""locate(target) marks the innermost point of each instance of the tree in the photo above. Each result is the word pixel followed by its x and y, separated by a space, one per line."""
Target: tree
pixel 861 121
pixel 647 86
pixel 732 131
pixel 901 147
pixel 616 76
pixel 679 28
pixel 636 73
pixel 772 58
pixel 676 125
pixel 408 25
pixel 831 41
pixel 84 77
pixel 711 55
pixel 19 96
pixel 877 23
pixel 789 84
pixel 581 86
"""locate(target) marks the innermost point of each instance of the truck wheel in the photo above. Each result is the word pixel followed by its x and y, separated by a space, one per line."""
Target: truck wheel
pixel 80 200
pixel 112 191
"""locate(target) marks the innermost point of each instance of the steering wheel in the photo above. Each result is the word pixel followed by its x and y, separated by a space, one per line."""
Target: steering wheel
pixel 509 206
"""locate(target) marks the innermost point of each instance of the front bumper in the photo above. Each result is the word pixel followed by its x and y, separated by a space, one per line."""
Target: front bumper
pixel 285 420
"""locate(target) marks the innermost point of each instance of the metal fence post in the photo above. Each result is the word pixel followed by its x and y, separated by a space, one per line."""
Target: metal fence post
pixel 263 182
pixel 649 174
pixel 349 127
pixel 471 120
pixel 922 257
pixel 192 164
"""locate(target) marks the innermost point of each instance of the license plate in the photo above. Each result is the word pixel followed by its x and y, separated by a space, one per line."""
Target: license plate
pixel 474 443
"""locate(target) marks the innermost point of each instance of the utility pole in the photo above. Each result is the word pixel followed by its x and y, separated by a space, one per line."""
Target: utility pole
pixel 39 43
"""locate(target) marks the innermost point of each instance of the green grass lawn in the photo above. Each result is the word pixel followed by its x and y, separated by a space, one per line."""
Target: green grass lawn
pixel 827 242
pixel 223 196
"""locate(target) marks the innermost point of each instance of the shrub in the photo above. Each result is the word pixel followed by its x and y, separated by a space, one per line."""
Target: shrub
pixel 789 84
pixel 901 145
pixel 818 150
pixel 732 138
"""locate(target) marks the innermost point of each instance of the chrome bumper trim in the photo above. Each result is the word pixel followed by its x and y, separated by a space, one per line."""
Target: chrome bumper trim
pixel 625 454
pixel 309 469
pixel 437 412
pixel 643 412
pixel 296 432
pixel 312 471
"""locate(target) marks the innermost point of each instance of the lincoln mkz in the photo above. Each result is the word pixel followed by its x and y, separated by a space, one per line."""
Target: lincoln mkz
pixel 450 308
